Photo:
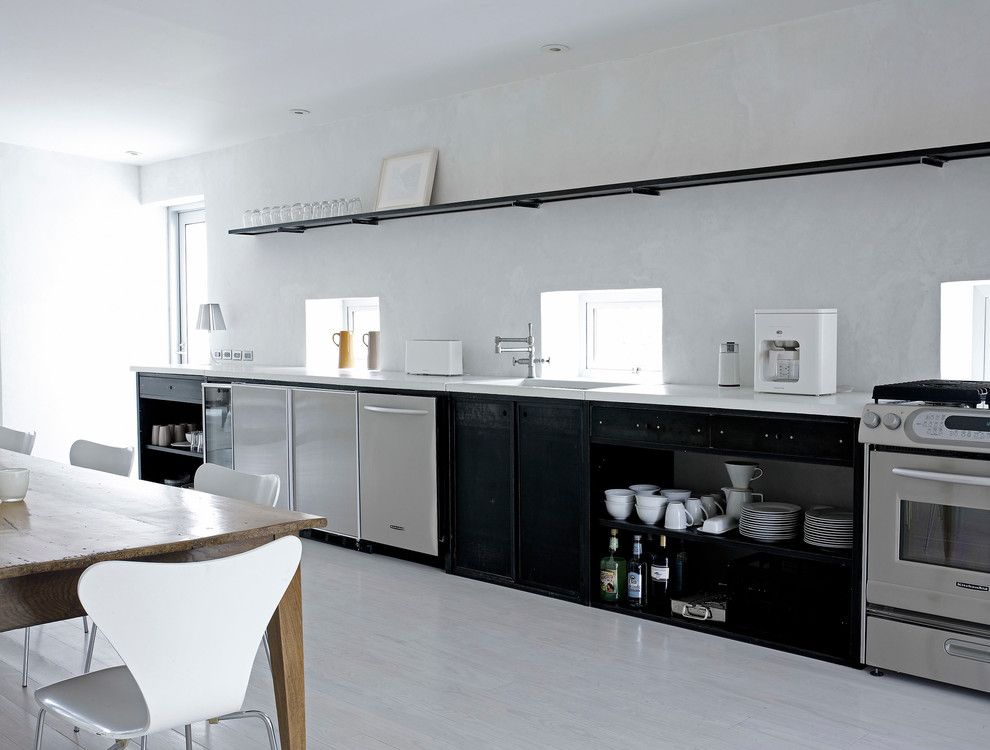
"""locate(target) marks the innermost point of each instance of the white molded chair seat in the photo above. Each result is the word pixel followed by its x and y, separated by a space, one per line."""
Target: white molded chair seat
pixel 219 480
pixel 19 442
pixel 108 458
pixel 108 701
pixel 179 668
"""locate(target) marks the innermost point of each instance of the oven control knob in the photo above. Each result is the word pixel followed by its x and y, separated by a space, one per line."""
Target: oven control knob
pixel 891 421
pixel 871 419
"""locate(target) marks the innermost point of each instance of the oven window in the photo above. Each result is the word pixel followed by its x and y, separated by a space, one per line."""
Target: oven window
pixel 945 535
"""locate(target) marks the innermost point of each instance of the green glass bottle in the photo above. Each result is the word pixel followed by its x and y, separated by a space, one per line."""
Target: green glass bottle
pixel 613 572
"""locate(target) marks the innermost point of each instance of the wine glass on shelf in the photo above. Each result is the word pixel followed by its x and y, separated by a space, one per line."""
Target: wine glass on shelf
pixel 354 205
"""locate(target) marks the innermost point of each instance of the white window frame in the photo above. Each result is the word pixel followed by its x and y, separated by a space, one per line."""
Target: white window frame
pixel 589 302
pixel 353 305
pixel 981 332
pixel 178 218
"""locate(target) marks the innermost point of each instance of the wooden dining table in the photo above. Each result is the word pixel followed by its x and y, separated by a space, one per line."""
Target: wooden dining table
pixel 74 517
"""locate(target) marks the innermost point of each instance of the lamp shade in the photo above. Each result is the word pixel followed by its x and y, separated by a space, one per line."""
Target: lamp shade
pixel 210 318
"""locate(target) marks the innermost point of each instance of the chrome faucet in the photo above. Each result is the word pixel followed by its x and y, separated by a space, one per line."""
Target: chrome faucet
pixel 531 361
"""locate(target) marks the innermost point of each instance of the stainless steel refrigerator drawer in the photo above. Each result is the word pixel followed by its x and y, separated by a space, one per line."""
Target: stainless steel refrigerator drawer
pixel 959 659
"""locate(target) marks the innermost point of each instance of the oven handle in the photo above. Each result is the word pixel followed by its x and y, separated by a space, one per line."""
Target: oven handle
pixel 941 476
pixel 967 650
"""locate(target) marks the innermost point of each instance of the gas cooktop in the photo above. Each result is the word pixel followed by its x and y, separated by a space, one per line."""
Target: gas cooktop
pixel 972 393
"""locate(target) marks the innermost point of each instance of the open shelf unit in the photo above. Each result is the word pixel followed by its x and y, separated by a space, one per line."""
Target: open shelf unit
pixel 935 157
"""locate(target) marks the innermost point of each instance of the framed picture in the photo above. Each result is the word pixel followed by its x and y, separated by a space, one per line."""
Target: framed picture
pixel 406 180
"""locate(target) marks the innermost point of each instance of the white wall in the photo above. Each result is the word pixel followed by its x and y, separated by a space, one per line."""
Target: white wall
pixel 889 76
pixel 83 295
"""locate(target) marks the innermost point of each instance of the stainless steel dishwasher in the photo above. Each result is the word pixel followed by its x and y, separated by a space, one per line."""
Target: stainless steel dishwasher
pixel 398 457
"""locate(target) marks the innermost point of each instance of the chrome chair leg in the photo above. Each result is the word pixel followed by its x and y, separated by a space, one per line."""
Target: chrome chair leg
pixel 144 743
pixel 261 715
pixel 268 649
pixel 85 624
pixel 189 742
pixel 90 649
pixel 27 656
pixel 41 729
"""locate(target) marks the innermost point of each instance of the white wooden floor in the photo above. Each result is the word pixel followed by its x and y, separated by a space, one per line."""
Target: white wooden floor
pixel 402 656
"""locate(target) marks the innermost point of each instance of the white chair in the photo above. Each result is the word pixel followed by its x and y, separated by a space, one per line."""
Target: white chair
pixel 19 442
pixel 90 455
pixel 256 488
pixel 177 669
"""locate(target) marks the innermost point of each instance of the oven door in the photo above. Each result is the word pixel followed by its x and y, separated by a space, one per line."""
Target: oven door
pixel 928 546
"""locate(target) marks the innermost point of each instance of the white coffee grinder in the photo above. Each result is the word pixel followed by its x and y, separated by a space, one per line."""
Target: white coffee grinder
pixel 795 351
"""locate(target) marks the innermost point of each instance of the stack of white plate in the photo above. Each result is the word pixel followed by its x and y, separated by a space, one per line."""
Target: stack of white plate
pixel 829 527
pixel 770 522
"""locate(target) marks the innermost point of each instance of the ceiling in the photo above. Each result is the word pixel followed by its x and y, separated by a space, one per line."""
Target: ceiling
pixel 168 79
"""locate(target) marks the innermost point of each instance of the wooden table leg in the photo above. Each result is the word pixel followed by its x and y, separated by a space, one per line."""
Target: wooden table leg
pixel 285 637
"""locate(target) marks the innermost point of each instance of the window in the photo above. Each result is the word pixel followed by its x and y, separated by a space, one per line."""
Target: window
pixel 965 330
pixel 324 317
pixel 608 333
pixel 188 283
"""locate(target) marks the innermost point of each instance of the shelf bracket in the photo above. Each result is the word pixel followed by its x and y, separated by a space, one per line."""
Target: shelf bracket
pixel 654 191
pixel 933 161
pixel 371 221
pixel 292 230
pixel 528 203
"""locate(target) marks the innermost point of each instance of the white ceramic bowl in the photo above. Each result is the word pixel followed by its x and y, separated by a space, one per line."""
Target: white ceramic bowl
pixel 648 515
pixel 650 501
pixel 13 484
pixel 644 489
pixel 620 494
pixel 619 511
pixel 676 494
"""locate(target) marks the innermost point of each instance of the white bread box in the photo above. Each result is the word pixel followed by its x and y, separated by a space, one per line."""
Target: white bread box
pixel 434 357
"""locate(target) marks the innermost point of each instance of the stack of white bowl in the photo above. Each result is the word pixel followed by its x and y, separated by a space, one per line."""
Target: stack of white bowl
pixel 649 505
pixel 619 503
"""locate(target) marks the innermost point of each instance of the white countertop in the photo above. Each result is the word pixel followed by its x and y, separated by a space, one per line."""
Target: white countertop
pixel 698 396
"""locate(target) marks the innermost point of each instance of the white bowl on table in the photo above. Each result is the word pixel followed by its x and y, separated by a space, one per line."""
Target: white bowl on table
pixel 14 484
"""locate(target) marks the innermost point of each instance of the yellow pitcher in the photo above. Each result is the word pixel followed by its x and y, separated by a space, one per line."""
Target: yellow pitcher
pixel 343 341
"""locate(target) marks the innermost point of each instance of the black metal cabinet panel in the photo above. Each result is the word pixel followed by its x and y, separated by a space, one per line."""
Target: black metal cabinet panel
pixel 170 388
pixel 551 496
pixel 484 487
pixel 660 427
pixel 820 438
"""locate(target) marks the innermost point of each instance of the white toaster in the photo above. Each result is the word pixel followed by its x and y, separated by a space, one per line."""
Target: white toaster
pixel 434 357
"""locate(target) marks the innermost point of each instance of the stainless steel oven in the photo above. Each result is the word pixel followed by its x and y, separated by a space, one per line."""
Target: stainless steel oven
pixel 927 531
pixel 929 535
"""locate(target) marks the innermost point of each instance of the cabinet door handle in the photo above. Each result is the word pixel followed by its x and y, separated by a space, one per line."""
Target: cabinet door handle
pixel 394 410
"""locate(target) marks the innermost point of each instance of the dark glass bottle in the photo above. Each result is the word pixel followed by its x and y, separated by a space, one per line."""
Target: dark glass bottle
pixel 659 584
pixel 638 575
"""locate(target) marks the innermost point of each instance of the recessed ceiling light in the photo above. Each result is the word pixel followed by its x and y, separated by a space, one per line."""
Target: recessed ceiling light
pixel 133 153
pixel 299 111
pixel 555 49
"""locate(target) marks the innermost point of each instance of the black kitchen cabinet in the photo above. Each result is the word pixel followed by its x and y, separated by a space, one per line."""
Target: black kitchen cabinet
pixel 484 478
pixel 519 503
pixel 551 496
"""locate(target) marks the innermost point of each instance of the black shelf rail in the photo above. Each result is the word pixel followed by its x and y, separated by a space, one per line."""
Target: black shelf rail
pixel 933 157
pixel 174 451
pixel 733 539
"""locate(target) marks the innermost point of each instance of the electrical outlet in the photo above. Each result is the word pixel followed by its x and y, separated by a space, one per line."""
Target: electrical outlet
pixel 249 355
pixel 225 354
pixel 217 355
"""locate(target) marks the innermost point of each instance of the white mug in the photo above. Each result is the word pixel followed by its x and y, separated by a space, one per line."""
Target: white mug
pixel 714 505
pixel 677 517
pixel 741 473
pixel 696 510
pixel 735 498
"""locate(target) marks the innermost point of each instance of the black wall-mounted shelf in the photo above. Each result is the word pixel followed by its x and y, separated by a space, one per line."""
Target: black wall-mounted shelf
pixel 935 157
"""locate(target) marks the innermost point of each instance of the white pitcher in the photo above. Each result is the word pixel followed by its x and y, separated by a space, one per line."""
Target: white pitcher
pixel 734 499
